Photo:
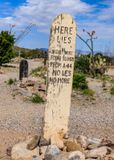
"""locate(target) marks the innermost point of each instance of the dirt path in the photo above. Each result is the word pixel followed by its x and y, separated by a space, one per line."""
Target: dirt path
pixel 17 118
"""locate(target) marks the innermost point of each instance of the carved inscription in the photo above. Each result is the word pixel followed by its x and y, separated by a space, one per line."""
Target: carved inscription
pixel 61 60
pixel 61 64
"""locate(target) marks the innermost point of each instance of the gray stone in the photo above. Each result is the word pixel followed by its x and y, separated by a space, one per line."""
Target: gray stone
pixel 30 83
pixel 77 155
pixel 94 141
pixel 83 141
pixel 44 142
pixel 51 151
pixel 24 92
pixel 98 152
pixel 42 87
pixel 22 85
pixel 93 146
pixel 61 156
pixel 33 143
pixel 35 157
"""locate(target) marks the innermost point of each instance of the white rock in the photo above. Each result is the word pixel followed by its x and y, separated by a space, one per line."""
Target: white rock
pixel 98 152
pixel 20 152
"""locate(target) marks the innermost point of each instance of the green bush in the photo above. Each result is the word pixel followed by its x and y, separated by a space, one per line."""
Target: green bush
pixel 82 64
pixel 88 92
pixel 11 81
pixel 79 81
pixel 93 65
pixel 112 90
pixel 39 72
pixel 37 99
pixel 112 80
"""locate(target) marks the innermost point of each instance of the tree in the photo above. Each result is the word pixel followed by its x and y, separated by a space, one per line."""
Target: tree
pixel 7 41
pixel 89 41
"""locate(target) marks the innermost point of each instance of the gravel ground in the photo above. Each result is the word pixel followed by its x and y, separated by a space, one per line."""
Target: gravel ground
pixel 93 118
pixel 17 119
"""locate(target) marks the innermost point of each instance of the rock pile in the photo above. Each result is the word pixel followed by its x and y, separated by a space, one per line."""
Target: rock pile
pixel 27 88
pixel 59 148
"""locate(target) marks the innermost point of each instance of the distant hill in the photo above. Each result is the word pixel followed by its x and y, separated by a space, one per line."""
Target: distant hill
pixel 20 49
pixel 30 53
pixel 44 49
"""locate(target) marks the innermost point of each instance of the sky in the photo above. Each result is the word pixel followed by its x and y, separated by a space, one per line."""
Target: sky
pixel 90 15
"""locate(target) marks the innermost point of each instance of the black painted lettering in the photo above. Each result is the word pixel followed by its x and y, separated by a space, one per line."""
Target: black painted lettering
pixel 58 80
pixel 55 64
pixel 58 39
pixel 66 73
pixel 55 58
pixel 70 30
pixel 65 40
pixel 56 29
pixel 66 58
pixel 56 72
pixel 66 30
pixel 62 30
pixel 69 40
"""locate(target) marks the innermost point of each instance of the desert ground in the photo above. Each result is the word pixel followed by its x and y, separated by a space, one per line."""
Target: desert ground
pixel 19 117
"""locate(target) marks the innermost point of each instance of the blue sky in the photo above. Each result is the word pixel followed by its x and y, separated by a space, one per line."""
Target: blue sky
pixel 91 15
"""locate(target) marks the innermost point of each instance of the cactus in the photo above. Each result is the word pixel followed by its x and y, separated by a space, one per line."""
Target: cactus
pixel 100 64
pixel 91 64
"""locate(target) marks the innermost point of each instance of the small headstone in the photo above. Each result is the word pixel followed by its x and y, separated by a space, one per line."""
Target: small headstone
pixel 23 69
pixel 61 56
